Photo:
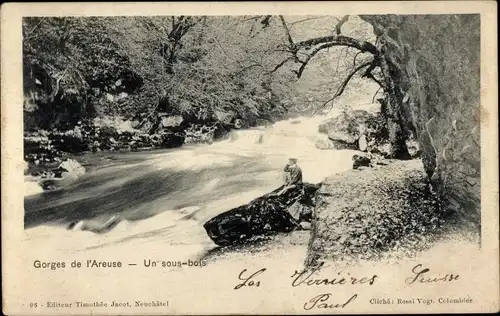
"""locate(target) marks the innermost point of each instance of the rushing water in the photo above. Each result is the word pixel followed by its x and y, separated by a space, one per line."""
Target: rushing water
pixel 166 195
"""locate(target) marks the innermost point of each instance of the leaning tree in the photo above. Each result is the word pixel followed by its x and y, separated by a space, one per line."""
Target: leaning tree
pixel 377 67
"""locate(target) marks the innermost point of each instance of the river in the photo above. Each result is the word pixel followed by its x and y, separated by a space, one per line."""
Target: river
pixel 164 196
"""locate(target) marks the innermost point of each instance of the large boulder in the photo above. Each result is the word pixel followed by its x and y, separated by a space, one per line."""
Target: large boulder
pixel 220 131
pixel 345 129
pixel 49 176
pixel 200 133
pixel 73 167
pixel 360 161
pixel 265 215
pixel 325 144
pixel 171 121
pixel 38 149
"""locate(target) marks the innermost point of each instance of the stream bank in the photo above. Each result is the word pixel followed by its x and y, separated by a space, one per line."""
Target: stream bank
pixel 164 196
pixel 383 213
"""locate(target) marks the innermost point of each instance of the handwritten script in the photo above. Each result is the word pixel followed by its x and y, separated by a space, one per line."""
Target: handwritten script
pixel 421 275
pixel 311 278
pixel 249 280
pixel 323 301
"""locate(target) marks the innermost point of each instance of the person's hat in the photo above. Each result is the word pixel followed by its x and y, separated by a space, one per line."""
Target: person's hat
pixel 293 159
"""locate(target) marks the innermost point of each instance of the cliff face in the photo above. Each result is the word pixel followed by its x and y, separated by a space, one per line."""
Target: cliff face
pixel 435 62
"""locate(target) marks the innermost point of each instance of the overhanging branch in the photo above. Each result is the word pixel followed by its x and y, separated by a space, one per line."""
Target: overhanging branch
pixel 311 55
pixel 312 46
pixel 339 40
pixel 316 50
pixel 341 88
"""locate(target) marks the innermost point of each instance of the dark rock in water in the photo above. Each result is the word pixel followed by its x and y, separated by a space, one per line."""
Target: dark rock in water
pixel 220 131
pixel 58 172
pixel 48 184
pixel 172 140
pixel 264 215
pixel 360 161
pixel 339 144
pixel 67 143
pixel 238 124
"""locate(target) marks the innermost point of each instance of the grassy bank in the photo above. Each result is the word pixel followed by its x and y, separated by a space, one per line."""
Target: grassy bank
pixel 380 212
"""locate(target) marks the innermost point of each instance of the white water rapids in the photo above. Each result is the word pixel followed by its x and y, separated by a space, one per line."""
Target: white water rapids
pixel 163 197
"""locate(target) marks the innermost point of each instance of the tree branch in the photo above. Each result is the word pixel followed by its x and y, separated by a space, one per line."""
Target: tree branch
pixel 246 68
pixel 338 27
pixel 356 56
pixel 285 27
pixel 309 19
pixel 315 51
pixel 340 40
pixel 368 73
pixel 341 88
pixel 311 55
pixel 281 64
pixel 265 22
pixel 372 77
pixel 373 99
pixel 223 50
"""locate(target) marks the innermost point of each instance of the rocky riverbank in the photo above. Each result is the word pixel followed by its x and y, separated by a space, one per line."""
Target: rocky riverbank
pixel 51 175
pixel 370 213
pixel 361 130
pixel 384 212
pixel 49 154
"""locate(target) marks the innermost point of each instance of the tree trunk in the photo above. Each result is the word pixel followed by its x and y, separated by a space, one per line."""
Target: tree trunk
pixel 398 149
pixel 393 106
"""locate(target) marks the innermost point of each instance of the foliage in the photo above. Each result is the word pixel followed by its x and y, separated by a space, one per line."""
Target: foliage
pixel 137 67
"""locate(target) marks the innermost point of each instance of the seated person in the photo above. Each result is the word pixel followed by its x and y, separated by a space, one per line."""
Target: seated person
pixel 293 177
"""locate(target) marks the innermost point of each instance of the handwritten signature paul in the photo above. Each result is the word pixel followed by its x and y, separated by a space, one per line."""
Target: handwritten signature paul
pixel 323 301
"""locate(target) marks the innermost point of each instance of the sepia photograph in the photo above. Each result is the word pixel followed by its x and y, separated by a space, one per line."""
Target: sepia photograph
pixel 361 132
pixel 182 143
